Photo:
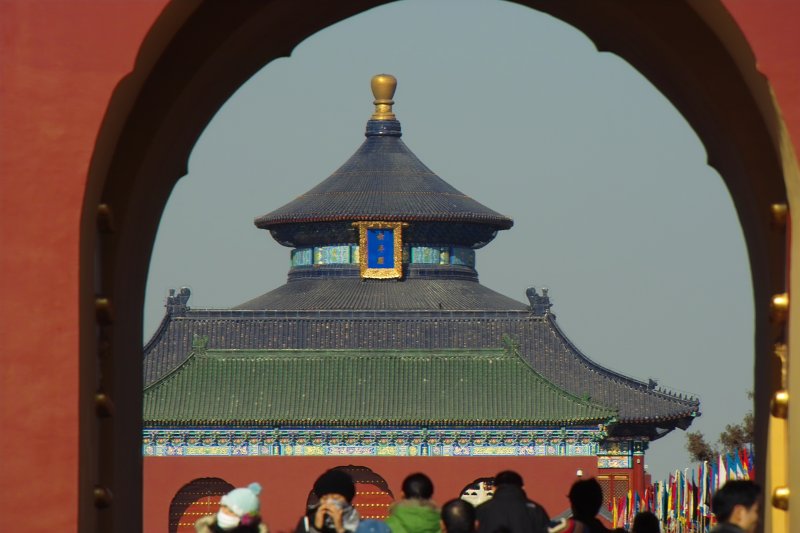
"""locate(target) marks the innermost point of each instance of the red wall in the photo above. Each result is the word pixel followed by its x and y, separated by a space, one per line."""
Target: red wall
pixel 59 63
pixel 287 480
pixel 771 31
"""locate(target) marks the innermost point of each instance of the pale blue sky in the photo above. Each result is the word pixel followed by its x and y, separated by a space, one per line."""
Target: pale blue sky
pixel 614 206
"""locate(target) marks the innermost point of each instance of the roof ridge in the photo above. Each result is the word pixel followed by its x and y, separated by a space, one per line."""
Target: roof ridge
pixel 160 330
pixel 627 381
pixel 514 351
pixel 411 351
pixel 190 358
pixel 324 423
pixel 197 313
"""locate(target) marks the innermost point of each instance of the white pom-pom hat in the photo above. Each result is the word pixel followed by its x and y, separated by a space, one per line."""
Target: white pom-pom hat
pixel 243 501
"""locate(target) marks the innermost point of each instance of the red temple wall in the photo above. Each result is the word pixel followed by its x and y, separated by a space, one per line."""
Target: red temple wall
pixel 286 481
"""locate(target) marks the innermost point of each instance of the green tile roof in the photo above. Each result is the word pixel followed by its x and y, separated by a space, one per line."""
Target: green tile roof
pixel 362 388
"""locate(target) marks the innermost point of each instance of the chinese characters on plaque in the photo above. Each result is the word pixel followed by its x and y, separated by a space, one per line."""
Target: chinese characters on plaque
pixel 380 249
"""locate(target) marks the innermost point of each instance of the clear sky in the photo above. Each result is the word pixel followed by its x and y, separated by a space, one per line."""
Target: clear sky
pixel 615 208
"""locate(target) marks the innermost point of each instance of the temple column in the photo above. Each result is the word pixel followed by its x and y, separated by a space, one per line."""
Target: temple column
pixel 637 472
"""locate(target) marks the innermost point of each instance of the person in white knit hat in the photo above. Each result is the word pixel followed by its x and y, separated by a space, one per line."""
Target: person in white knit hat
pixel 239 512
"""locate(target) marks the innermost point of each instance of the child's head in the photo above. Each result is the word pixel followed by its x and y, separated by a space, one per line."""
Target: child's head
pixel 240 507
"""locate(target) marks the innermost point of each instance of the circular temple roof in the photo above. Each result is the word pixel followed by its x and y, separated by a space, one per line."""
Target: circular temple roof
pixel 383 181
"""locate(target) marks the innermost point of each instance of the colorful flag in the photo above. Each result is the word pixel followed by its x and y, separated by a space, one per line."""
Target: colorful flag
pixel 722 473
pixel 629 509
pixel 745 461
pixel 703 504
pixel 614 513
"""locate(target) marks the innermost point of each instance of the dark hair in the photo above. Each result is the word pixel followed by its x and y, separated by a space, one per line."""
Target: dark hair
pixel 585 498
pixel 458 516
pixel 508 477
pixel 418 486
pixel 645 522
pixel 335 481
pixel 738 492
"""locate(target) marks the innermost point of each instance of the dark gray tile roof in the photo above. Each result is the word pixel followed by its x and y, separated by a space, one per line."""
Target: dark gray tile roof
pixel 364 294
pixel 384 180
pixel 540 341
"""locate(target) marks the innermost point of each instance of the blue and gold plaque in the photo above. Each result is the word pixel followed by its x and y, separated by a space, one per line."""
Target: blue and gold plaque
pixel 380 249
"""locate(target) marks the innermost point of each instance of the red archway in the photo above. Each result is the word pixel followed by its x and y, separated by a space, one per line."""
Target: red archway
pixel 198 54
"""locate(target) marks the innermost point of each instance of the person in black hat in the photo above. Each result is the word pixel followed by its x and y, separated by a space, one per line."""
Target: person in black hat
pixel 333 513
pixel 510 509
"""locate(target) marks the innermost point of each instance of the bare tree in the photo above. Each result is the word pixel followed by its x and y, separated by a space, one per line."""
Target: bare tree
pixel 735 437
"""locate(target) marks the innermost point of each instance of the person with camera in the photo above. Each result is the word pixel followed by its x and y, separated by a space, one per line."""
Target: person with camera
pixel 333 513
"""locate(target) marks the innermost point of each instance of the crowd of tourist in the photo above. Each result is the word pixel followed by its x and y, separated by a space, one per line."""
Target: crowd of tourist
pixel 509 510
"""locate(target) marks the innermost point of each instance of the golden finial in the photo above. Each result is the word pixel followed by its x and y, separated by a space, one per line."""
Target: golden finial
pixel 383 87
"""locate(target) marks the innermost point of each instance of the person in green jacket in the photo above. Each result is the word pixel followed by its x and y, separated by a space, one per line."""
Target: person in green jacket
pixel 415 513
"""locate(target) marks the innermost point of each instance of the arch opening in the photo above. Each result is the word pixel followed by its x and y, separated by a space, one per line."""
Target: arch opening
pixel 194 500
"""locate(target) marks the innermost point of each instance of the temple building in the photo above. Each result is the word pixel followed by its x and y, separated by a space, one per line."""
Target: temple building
pixel 383 354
